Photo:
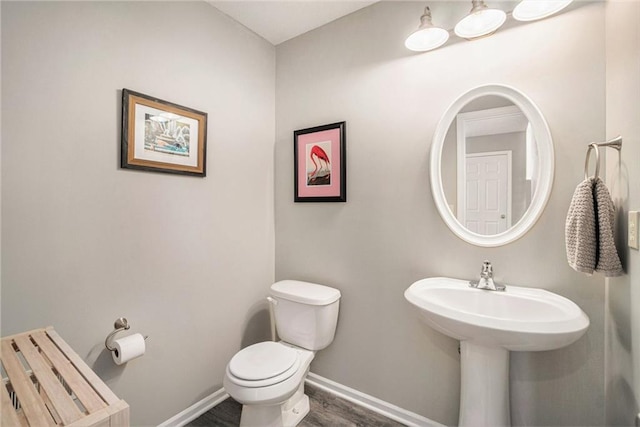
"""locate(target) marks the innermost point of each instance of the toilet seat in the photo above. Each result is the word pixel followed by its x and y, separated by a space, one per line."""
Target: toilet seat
pixel 263 364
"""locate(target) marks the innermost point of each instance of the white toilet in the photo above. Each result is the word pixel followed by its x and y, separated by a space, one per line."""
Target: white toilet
pixel 268 377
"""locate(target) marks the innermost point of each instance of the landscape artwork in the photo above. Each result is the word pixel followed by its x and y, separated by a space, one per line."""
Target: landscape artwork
pixel 167 133
pixel 160 136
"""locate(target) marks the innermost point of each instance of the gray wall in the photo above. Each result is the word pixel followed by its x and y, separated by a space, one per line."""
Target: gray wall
pixel 622 342
pixel 185 259
pixel 389 233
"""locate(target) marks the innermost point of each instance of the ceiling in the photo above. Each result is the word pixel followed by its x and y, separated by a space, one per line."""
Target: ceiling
pixel 279 21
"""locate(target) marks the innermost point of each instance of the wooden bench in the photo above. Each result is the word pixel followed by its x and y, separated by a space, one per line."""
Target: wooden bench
pixel 46 383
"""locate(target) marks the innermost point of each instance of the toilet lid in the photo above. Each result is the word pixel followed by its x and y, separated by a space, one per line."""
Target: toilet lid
pixel 262 361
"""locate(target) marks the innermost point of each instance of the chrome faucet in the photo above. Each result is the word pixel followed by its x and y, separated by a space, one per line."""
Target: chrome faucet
pixel 486 279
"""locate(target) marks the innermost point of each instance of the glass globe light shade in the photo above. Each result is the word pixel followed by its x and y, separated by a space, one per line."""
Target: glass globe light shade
pixel 481 21
pixel 531 10
pixel 427 36
pixel 426 39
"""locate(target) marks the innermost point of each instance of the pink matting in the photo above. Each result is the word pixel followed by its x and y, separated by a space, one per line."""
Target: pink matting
pixel 305 190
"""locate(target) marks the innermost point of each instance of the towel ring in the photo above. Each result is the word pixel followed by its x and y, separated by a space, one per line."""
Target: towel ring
pixel 592 146
pixel 613 143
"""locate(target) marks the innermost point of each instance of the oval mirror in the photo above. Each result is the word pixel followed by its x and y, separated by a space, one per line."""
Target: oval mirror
pixel 492 165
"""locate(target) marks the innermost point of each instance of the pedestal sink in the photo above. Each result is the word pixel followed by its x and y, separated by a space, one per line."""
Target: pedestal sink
pixel 489 324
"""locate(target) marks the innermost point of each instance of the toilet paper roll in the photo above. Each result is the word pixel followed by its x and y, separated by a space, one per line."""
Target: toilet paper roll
pixel 128 348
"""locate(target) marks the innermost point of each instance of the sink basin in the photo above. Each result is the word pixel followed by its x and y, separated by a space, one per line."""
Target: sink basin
pixel 489 324
pixel 522 319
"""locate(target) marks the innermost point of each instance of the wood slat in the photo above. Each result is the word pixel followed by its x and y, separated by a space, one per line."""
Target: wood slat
pixel 23 419
pixel 83 391
pixel 116 415
pixel 32 406
pixel 98 385
pixel 52 410
pixel 97 419
pixel 120 415
pixel 62 402
pixel 9 416
pixel 11 337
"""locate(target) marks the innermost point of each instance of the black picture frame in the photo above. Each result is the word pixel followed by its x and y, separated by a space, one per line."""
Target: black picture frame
pixel 324 147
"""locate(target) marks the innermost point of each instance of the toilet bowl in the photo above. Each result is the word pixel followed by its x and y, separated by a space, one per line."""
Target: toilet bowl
pixel 268 377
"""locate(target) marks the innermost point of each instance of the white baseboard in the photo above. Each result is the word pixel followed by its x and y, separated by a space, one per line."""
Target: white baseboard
pixel 372 403
pixel 197 409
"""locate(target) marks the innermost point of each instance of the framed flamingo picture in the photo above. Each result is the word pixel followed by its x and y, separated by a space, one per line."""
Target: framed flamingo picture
pixel 320 167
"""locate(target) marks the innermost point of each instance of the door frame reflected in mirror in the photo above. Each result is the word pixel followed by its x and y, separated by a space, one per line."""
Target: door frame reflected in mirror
pixel 545 170
pixel 480 123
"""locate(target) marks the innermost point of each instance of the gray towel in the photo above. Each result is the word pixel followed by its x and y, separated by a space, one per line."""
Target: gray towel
pixel 580 229
pixel 608 262
pixel 589 230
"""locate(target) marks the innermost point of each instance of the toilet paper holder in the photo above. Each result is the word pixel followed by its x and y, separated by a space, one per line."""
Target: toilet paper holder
pixel 121 324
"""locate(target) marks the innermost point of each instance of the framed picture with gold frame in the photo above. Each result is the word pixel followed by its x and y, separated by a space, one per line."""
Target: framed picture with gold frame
pixel 161 136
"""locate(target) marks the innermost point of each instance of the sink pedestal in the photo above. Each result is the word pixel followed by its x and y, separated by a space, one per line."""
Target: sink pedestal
pixel 484 388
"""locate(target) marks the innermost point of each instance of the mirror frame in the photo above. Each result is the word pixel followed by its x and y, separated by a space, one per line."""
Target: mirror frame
pixel 545 171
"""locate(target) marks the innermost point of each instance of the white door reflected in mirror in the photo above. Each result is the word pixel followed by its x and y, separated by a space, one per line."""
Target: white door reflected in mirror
pixel 485 205
pixel 495 154
pixel 491 165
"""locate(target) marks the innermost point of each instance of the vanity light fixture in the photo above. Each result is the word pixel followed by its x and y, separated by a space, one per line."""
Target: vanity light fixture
pixel 531 10
pixel 481 21
pixel 427 36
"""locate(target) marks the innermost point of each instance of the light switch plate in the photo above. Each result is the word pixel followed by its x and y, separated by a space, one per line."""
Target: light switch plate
pixel 632 229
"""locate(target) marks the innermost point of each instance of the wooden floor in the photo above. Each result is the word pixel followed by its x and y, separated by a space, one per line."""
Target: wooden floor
pixel 327 410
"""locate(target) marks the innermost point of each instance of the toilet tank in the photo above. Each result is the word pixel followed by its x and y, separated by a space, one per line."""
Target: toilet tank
pixel 305 313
